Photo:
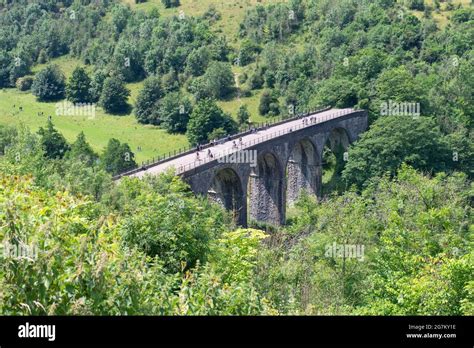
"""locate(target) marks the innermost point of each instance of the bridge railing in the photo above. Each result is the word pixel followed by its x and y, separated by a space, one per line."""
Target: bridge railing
pixel 307 121
pixel 191 149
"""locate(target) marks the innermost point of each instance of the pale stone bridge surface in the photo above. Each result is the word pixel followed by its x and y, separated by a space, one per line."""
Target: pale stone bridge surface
pixel 289 160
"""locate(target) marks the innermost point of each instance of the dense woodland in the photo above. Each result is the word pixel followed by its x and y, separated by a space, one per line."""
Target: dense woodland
pixel 151 247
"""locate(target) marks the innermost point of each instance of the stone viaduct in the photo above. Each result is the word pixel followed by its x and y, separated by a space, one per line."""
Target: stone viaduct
pixel 288 160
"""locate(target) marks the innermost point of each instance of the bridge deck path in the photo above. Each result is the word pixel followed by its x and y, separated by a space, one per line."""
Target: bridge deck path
pixel 190 161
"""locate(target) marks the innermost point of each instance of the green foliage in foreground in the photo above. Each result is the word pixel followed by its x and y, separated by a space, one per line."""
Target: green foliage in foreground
pixel 83 266
pixel 392 140
pixel 418 260
pixel 176 227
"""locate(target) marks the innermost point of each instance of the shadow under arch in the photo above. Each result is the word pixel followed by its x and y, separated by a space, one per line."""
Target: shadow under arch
pixel 303 170
pixel 226 190
pixel 334 157
pixel 266 190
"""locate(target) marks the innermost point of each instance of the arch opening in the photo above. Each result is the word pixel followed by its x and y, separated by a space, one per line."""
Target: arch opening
pixel 226 190
pixel 265 191
pixel 334 157
pixel 303 171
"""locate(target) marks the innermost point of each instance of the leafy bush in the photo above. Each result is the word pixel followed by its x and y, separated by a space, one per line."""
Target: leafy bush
pixel 24 83
pixel 416 259
pixel 206 117
pixel 175 227
pixel 78 89
pixel 49 84
pixel 79 267
pixel 114 96
pixel 392 140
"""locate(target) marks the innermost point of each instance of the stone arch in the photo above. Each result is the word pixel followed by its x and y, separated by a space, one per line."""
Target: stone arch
pixel 266 190
pixel 226 189
pixel 338 137
pixel 303 170
pixel 333 157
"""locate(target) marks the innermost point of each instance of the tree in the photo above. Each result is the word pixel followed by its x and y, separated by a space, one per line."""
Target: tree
pixel 217 133
pixel 81 150
pixel 219 79
pixel 248 51
pixel 78 88
pixel 19 66
pixel 199 87
pixel 334 92
pixel 114 96
pixel 7 135
pixel 220 49
pixel 147 100
pixel 97 84
pixel 173 112
pixel 53 142
pixel 118 158
pixel 170 82
pixel 418 5
pixel 392 140
pixel 127 61
pixel 24 83
pixel 256 80
pixel 49 84
pixel 5 61
pixel 170 3
pixel 398 85
pixel 120 14
pixel 269 104
pixel 243 115
pixel 197 61
pixel 206 117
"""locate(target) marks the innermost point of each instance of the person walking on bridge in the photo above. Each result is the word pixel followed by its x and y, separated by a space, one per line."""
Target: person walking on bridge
pixel 209 154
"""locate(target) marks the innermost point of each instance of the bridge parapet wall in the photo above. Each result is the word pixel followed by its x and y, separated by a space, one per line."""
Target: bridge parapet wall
pixel 267 196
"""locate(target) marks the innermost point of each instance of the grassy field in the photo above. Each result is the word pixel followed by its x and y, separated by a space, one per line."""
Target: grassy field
pixel 67 65
pixel 442 16
pixel 152 140
pixel 232 12
pixel 98 130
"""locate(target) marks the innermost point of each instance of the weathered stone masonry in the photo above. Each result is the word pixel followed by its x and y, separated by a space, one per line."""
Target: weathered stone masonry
pixel 285 165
